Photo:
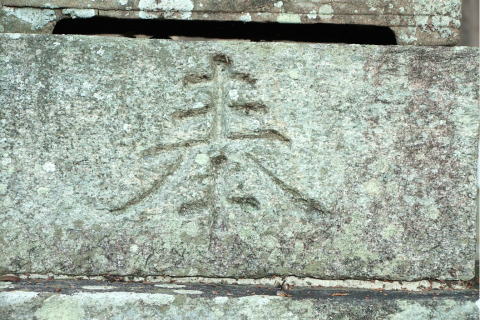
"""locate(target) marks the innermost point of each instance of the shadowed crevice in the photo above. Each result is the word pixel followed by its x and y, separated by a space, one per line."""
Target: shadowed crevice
pixel 253 31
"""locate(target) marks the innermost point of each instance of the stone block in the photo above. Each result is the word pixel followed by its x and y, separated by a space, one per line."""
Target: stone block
pixel 235 159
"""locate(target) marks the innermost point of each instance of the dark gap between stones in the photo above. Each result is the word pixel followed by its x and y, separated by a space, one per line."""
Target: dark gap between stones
pixel 204 30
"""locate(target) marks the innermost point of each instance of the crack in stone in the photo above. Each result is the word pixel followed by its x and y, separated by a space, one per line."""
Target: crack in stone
pixel 283 282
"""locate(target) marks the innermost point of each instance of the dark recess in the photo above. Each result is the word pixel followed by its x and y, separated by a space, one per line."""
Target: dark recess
pixel 253 31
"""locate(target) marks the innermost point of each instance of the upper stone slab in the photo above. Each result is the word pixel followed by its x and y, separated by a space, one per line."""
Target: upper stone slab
pixel 421 22
pixel 237 159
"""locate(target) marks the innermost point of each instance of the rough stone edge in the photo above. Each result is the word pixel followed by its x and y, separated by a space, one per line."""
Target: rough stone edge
pixel 408 29
pixel 236 290
pixel 77 299
pixel 274 281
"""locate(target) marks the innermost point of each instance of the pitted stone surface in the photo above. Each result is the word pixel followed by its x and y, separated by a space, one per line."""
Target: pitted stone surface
pixel 123 156
pixel 422 22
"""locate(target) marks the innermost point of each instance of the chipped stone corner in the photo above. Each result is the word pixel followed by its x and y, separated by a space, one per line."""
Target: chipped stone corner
pixel 79 13
pixel 27 20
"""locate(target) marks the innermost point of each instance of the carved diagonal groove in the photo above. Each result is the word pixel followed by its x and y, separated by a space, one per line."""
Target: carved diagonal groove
pixel 308 203
pixel 172 146
pixel 181 114
pixel 268 134
pixel 249 107
pixel 221 59
pixel 249 201
pixel 193 205
pixel 171 169
pixel 196 78
pixel 245 77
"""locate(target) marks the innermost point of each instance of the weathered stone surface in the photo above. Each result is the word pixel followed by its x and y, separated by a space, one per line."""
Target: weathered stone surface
pixel 76 301
pixel 237 159
pixel 422 22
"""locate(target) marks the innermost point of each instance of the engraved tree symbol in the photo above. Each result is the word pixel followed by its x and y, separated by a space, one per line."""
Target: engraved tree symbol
pixel 217 138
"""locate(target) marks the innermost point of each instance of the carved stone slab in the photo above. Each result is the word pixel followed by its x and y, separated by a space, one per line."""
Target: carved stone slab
pixel 422 22
pixel 237 159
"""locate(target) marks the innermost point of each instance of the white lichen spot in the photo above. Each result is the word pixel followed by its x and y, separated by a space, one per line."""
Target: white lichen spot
pixel 170 285
pixel 147 5
pixel 147 15
pixel 198 105
pixel 127 127
pixel 391 231
pixel 220 300
pixel 3 189
pixel 278 4
pixel 450 8
pixel 79 13
pixel 49 167
pixel 60 307
pixel 422 21
pixel 16 298
pixel 325 11
pixel 111 299
pixel 182 291
pixel 123 2
pixel 258 300
pixel 373 187
pixel 289 18
pixel 186 15
pixel 49 5
pixel 299 246
pixel 36 18
pixel 406 35
pixel 233 94
pixel 185 6
pixel 98 287
pixel 191 229
pixel 294 74
pixel 14 35
pixel 312 14
pixel 245 17
pixel 2 29
pixel 6 161
pixel 202 159
pixel 133 248
pixel 433 212
pixel 411 310
pixel 43 190
pixel 6 285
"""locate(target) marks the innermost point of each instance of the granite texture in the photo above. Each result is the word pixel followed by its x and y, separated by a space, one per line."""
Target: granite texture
pixel 421 22
pixel 76 301
pixel 233 159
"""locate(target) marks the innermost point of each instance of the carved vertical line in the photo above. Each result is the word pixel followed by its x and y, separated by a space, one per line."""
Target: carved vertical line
pixel 218 126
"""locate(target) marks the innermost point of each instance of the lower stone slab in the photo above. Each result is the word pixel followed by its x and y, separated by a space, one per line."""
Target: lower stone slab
pixel 77 300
